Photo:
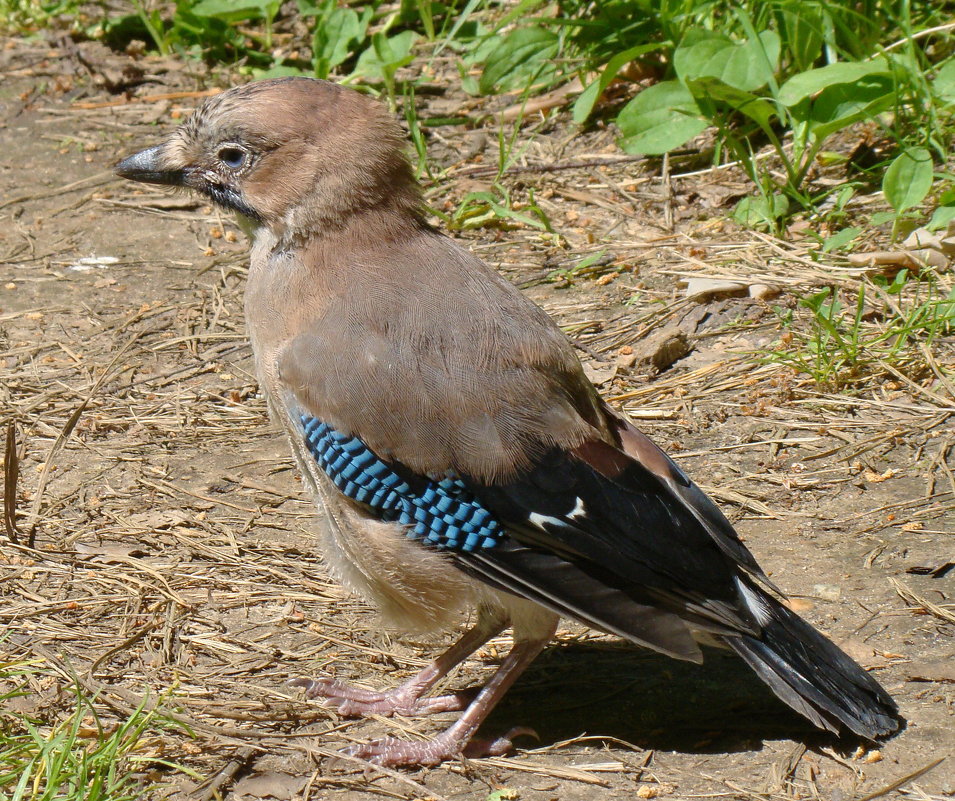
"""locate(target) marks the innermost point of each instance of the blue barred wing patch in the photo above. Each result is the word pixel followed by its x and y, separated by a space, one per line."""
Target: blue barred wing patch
pixel 444 513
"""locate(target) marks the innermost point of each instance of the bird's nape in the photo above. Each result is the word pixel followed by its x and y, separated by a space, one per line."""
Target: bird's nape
pixel 445 426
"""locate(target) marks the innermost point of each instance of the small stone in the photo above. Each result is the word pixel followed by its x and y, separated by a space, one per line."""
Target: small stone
pixel 664 347
pixel 827 592
pixel 701 289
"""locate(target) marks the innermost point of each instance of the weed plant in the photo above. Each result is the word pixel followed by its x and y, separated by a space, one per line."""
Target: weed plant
pixel 789 74
pixel 78 755
pixel 843 342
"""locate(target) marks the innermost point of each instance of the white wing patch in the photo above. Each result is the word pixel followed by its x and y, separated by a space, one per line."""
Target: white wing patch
pixel 539 520
pixel 755 604
pixel 578 510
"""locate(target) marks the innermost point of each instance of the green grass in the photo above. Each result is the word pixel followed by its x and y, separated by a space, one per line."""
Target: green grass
pixel 787 75
pixel 74 754
pixel 844 342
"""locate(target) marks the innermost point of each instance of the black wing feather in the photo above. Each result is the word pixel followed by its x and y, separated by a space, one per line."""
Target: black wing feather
pixel 625 533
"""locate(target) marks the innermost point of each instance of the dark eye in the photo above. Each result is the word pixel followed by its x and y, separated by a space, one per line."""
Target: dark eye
pixel 233 157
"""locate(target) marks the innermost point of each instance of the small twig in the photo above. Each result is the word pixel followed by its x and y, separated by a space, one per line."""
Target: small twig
pixel 122 646
pixel 667 193
pixel 225 776
pixel 919 35
pixel 11 472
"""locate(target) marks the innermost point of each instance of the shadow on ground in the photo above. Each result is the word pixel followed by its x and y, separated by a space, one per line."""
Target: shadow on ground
pixel 650 700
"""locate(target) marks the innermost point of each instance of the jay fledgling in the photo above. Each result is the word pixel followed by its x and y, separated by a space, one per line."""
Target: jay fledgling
pixel 447 430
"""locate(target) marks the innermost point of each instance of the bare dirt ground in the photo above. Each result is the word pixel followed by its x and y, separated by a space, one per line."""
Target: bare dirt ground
pixel 165 550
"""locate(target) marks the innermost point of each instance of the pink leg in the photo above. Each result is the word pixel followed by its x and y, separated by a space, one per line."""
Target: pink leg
pixel 457 739
pixel 406 699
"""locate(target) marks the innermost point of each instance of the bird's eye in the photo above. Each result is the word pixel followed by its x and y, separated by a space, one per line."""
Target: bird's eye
pixel 233 157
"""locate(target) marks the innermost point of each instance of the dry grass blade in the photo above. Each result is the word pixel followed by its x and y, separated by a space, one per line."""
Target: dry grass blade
pixel 64 435
pixel 946 613
pixel 11 473
pixel 904 780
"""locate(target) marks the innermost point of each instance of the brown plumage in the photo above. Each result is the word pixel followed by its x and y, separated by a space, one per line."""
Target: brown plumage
pixel 443 421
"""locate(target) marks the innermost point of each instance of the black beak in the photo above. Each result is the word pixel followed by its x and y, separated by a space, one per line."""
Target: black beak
pixel 149 167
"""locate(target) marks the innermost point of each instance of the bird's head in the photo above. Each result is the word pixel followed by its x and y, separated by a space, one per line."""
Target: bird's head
pixel 294 154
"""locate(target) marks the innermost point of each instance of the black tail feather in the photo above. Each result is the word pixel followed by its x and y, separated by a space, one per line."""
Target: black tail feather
pixel 813 676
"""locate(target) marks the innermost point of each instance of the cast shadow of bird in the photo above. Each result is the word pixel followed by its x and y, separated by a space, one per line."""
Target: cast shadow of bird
pixel 616 691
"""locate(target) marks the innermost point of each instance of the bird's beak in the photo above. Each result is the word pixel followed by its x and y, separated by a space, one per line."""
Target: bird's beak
pixel 150 166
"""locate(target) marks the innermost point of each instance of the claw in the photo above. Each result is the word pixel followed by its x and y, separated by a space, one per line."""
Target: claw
pixel 358 702
pixel 392 752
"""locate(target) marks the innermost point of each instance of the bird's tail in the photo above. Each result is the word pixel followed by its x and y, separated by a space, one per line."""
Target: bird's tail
pixel 808 672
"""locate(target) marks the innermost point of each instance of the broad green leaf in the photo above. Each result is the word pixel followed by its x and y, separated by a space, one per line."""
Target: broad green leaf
pixel 759 109
pixel 801 27
pixel 840 239
pixel 334 38
pixel 659 119
pixel 843 104
pixel 519 57
pixel 232 11
pixel 941 218
pixel 908 178
pixel 589 97
pixel 882 217
pixel 760 211
pixel 744 65
pixel 806 84
pixel 386 54
pixel 944 83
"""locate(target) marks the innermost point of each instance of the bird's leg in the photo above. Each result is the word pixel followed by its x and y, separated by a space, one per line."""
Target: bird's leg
pixel 457 739
pixel 406 699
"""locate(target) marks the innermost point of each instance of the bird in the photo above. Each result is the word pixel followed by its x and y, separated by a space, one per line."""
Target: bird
pixel 465 466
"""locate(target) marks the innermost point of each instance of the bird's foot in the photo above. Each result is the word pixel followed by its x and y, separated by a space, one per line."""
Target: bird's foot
pixel 392 752
pixel 357 702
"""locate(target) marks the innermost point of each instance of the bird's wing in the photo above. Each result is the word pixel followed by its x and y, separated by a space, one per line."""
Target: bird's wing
pixel 477 429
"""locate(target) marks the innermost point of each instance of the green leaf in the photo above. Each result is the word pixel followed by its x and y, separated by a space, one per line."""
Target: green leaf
pixel 504 794
pixel 335 37
pixel 944 83
pixel 659 119
pixel 808 83
pixel 759 109
pixel 908 179
pixel 745 65
pixel 761 211
pixel 519 57
pixel 589 97
pixel 386 54
pixel 941 217
pixel 841 105
pixel 882 217
pixel 839 240
pixel 231 11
